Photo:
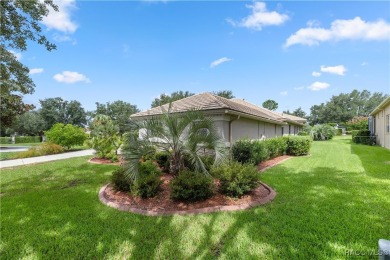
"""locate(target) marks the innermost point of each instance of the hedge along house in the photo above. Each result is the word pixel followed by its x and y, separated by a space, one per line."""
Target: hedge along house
pixel 379 123
pixel 234 118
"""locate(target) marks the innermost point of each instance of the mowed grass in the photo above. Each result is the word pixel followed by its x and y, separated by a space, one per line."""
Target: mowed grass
pixel 336 200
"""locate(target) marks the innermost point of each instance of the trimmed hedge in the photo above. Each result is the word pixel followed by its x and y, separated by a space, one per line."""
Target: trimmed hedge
pixel 5 140
pixel 298 145
pixel 362 137
pixel 28 139
pixel 255 152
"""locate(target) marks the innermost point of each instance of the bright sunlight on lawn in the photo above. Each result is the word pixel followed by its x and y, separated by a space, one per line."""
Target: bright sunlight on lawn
pixel 335 200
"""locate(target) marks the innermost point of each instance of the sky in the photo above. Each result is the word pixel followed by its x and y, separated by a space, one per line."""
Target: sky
pixel 296 53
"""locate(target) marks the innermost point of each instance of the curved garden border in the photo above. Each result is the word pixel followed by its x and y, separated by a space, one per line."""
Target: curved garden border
pixel 271 195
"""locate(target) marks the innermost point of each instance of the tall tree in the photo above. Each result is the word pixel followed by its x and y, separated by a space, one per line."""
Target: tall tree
pixel 19 24
pixel 224 93
pixel 119 112
pixel 270 104
pixel 165 98
pixel 57 110
pixel 299 112
pixel 30 123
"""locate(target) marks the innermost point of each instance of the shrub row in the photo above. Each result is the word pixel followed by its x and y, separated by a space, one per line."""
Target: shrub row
pixel 5 140
pixel 21 139
pixel 362 137
pixel 254 152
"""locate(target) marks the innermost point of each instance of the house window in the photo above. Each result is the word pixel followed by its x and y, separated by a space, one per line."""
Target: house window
pixel 388 123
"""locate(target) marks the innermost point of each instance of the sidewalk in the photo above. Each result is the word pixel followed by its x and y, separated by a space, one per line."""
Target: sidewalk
pixel 46 158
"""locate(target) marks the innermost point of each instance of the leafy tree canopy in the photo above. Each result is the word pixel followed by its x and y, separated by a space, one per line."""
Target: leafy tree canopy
pixel 66 135
pixel 224 93
pixel 19 24
pixel 119 112
pixel 270 104
pixel 345 106
pixel 297 112
pixel 57 110
pixel 166 99
pixel 30 123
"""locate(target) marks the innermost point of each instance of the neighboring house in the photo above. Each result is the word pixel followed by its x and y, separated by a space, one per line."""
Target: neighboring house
pixel 234 118
pixel 379 123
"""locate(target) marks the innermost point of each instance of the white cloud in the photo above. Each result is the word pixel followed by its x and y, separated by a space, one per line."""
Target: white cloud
pixel 299 88
pixel 283 93
pixel 260 17
pixel 364 63
pixel 316 74
pixel 71 77
pixel 354 29
pixel 17 55
pixel 316 86
pixel 61 20
pixel 36 70
pixel 219 62
pixel 338 70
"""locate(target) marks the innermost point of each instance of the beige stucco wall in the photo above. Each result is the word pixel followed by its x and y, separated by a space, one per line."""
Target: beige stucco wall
pixel 252 129
pixel 382 136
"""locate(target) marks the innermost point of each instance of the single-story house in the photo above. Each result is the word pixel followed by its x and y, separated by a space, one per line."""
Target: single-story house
pixel 234 118
pixel 379 123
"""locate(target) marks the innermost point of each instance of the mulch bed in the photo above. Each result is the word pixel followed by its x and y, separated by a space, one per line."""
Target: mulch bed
pixel 270 163
pixel 162 204
pixel 96 160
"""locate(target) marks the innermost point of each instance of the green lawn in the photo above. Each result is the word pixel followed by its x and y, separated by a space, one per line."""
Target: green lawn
pixel 335 200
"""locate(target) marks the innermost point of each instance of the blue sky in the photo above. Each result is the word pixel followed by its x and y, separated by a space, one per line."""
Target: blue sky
pixel 297 53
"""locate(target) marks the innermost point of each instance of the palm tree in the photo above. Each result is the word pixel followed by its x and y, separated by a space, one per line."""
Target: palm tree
pixel 180 134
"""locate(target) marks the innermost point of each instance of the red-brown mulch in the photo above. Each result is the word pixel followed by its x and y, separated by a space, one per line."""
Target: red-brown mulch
pixel 270 163
pixel 103 161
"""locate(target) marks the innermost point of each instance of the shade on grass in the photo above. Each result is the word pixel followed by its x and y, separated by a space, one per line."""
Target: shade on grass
pixel 335 200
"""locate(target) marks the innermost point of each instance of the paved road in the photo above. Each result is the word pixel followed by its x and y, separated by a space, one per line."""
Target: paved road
pixel 7 149
pixel 46 158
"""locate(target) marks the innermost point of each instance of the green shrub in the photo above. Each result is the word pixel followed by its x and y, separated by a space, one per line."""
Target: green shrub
pixel 302 133
pixel 339 131
pixel 191 186
pixel 242 151
pixel 208 161
pixel 5 140
pixel 147 186
pixel 150 155
pixel 148 168
pixel 362 137
pixel 120 181
pixel 40 150
pixel 66 135
pixel 259 152
pixel 348 132
pixel 357 123
pixel 298 145
pixel 354 133
pixel 162 158
pixel 27 139
pixel 322 132
pixel 276 146
pixel 236 179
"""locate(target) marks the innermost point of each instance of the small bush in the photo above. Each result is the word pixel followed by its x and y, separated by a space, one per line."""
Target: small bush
pixel 242 151
pixel 66 135
pixel 302 133
pixel 208 161
pixel 236 179
pixel 40 150
pixel 354 133
pixel 119 180
pixel 192 186
pixel 148 168
pixel 150 155
pixel 162 158
pixel 27 139
pixel 348 132
pixel 298 145
pixel 259 152
pixel 147 186
pixel 339 131
pixel 5 140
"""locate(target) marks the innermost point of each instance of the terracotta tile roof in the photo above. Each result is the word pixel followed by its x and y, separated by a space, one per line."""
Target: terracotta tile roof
pixel 207 101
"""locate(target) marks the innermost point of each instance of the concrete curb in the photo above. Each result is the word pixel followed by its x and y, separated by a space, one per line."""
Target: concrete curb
pixel 136 210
